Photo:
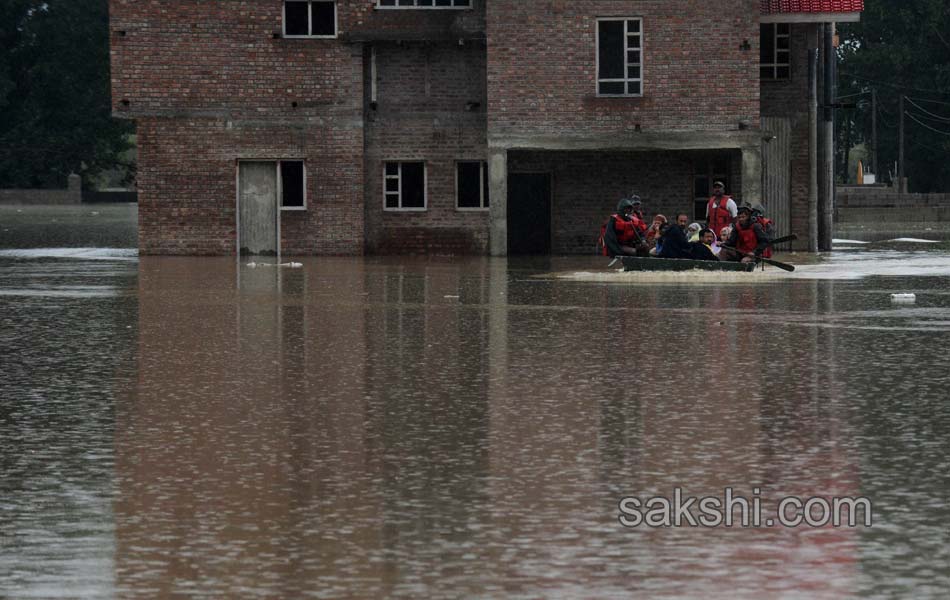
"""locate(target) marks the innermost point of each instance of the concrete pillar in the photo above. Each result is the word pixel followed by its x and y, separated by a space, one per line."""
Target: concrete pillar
pixel 498 192
pixel 74 187
pixel 752 174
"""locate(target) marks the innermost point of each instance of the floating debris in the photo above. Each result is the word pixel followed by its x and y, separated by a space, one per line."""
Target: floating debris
pixel 904 298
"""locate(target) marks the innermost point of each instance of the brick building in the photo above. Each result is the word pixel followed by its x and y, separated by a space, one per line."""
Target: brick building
pixel 457 126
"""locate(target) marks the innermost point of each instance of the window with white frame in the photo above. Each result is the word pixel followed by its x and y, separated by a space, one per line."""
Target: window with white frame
pixel 310 18
pixel 471 185
pixel 423 3
pixel 775 51
pixel 404 185
pixel 619 57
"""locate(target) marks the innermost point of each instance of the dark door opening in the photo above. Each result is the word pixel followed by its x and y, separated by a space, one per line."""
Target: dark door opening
pixel 529 213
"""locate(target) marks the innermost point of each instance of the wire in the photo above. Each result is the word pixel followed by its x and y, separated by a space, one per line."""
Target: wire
pixel 928 100
pixel 852 95
pixel 894 85
pixel 929 147
pixel 925 125
pixel 932 115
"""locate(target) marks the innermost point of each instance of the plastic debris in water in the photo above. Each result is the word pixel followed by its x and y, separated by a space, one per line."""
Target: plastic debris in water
pixel 909 298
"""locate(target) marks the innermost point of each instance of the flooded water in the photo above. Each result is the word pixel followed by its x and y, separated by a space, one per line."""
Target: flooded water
pixel 466 427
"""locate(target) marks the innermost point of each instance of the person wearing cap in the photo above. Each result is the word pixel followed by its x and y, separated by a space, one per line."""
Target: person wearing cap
pixel 748 240
pixel 721 209
pixel 758 216
pixel 622 233
pixel 638 209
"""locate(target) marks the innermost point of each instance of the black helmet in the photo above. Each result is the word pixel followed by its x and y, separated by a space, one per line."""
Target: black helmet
pixel 745 206
pixel 624 204
pixel 635 199
pixel 758 210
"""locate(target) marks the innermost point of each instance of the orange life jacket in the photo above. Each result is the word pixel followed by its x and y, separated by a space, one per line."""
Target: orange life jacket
pixel 746 240
pixel 628 232
pixel 719 215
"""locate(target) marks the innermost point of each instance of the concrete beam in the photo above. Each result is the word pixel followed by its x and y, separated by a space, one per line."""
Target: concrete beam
pixel 498 192
pixel 633 141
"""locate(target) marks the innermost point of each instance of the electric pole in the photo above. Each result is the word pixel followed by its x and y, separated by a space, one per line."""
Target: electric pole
pixel 874 135
pixel 900 150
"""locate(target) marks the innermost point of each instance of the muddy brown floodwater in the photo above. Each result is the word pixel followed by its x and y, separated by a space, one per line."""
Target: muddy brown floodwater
pixel 466 428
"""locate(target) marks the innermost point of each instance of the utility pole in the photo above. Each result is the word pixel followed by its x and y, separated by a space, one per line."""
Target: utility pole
pixel 900 151
pixel 874 135
pixel 827 199
pixel 813 150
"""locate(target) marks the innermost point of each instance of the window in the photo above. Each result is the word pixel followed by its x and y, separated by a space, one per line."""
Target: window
pixel 292 183
pixel 619 57
pixel 423 3
pixel 404 186
pixel 310 18
pixel 775 51
pixel 471 185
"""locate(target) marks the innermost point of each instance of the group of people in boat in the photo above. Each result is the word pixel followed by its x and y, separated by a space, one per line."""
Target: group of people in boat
pixel 731 232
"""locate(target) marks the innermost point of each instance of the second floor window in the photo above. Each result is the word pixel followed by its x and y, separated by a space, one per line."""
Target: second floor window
pixel 775 51
pixel 310 18
pixel 619 57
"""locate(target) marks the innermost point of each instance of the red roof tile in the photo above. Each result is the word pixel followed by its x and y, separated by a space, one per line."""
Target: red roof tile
pixel 771 7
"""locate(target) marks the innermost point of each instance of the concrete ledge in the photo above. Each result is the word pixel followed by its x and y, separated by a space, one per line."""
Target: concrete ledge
pixel 653 140
pixel 893 215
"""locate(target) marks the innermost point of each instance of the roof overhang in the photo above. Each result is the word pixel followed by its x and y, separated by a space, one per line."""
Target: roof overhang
pixel 812 17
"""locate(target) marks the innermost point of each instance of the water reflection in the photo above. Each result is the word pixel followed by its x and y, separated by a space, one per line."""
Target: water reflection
pixel 464 428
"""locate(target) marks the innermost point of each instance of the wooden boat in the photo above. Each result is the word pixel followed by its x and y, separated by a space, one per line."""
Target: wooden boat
pixel 639 263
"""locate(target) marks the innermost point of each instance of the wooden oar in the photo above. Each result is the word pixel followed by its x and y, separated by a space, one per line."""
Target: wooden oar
pixel 768 261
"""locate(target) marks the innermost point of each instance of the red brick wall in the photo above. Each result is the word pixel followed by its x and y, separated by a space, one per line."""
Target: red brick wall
pixel 541 73
pixel 422 92
pixel 187 185
pixel 209 84
pixel 789 98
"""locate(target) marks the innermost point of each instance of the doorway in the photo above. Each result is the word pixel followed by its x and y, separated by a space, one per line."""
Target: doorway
pixel 529 213
pixel 257 208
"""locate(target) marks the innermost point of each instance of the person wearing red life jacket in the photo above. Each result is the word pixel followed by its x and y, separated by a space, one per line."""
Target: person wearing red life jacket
pixel 622 233
pixel 758 216
pixel 721 209
pixel 638 212
pixel 747 237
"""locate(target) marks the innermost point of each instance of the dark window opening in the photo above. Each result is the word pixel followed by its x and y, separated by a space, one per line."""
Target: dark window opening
pixel 404 185
pixel 775 42
pixel 619 57
pixel 292 184
pixel 413 185
pixel 311 18
pixel 472 185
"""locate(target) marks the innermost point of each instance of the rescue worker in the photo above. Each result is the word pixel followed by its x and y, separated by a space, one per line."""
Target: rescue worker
pixel 721 210
pixel 747 238
pixel 638 210
pixel 622 233
pixel 758 216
